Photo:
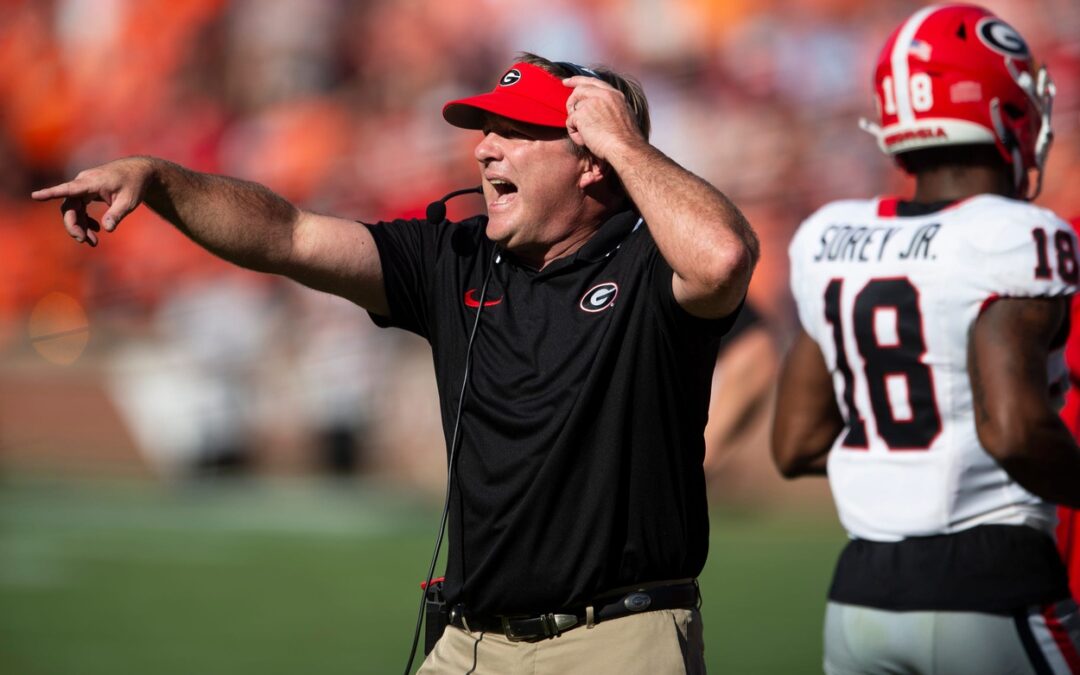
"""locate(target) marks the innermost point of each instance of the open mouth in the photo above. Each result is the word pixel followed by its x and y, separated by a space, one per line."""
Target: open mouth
pixel 504 189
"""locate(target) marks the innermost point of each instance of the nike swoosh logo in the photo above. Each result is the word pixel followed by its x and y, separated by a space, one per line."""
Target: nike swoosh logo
pixel 472 301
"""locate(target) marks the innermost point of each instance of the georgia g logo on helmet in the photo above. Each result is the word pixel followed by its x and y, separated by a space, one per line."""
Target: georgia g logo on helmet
pixel 1002 38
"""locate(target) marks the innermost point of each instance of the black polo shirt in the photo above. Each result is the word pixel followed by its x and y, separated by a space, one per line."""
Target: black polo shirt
pixel 579 466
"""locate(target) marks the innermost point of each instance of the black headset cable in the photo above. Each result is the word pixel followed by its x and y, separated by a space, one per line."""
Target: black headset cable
pixel 450 462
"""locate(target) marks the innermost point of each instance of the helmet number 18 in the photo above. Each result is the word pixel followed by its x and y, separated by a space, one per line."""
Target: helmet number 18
pixel 921 93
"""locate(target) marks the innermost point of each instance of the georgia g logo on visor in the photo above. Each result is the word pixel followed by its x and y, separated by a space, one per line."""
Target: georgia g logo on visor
pixel 1002 38
pixel 511 77
pixel 599 297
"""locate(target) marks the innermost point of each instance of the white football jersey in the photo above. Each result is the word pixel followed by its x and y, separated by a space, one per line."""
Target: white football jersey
pixel 891 301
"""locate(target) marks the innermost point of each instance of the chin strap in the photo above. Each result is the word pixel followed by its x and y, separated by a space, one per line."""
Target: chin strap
pixel 1008 140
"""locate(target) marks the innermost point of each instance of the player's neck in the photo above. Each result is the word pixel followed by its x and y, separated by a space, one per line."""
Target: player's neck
pixel 953 183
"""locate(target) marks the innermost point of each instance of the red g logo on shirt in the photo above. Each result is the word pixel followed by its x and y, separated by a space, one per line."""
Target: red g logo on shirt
pixel 599 297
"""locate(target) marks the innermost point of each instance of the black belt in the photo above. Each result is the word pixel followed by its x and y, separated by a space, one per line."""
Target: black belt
pixel 681 595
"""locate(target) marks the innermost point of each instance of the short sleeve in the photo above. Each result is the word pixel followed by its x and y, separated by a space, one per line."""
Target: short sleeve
pixel 661 275
pixel 809 305
pixel 406 253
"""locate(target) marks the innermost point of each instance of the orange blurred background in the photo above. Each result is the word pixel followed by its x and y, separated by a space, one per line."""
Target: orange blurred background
pixel 147 354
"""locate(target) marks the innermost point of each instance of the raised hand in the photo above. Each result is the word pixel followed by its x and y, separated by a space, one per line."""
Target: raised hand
pixel 598 116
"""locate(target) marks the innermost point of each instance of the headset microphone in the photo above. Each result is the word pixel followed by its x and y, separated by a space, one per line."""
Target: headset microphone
pixel 436 211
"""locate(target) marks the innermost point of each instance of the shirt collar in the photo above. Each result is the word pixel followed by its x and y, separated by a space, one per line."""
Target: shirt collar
pixel 609 236
pixel 908 209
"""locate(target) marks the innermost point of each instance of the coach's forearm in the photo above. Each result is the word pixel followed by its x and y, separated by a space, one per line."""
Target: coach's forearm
pixel 240 221
pixel 699 231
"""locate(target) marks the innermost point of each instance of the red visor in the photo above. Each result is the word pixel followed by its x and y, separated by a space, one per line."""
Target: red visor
pixel 525 93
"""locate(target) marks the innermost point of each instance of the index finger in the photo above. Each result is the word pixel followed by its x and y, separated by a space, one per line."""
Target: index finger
pixel 69 189
pixel 585 80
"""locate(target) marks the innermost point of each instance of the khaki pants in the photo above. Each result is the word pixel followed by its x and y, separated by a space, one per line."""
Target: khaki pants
pixel 663 642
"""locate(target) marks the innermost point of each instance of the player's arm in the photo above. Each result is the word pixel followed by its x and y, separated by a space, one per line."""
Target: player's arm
pixel 242 222
pixel 1014 416
pixel 699 231
pixel 807 418
pixel 742 387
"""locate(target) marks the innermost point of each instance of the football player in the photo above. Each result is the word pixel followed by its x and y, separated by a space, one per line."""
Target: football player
pixel 926 377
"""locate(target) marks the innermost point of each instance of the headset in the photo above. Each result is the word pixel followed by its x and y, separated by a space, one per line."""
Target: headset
pixel 578 70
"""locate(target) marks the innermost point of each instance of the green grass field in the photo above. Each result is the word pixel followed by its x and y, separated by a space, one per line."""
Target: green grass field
pixel 130 577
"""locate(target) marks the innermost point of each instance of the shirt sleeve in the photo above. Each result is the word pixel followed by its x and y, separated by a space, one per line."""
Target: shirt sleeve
pixel 683 321
pixel 406 254
pixel 809 305
pixel 748 318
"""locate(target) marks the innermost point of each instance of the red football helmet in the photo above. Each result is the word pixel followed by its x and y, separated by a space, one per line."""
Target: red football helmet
pixel 956 75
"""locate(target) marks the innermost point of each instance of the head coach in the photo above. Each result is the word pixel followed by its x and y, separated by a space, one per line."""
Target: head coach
pixel 573 329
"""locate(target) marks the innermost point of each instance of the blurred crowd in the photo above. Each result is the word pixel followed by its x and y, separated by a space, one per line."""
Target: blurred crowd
pixel 335 105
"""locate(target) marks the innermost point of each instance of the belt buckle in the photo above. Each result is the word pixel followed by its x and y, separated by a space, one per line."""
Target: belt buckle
pixel 551 625
pixel 509 632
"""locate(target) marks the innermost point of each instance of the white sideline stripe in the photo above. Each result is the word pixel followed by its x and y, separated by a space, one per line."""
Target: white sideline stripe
pixel 52 561
pixel 899 58
pixel 212 523
pixel 348 519
pixel 32 562
pixel 44 543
